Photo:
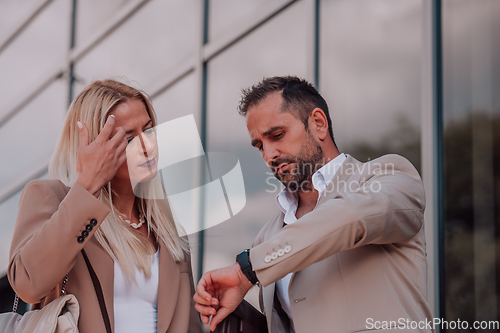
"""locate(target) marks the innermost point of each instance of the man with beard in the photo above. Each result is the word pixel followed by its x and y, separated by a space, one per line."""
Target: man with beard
pixel 347 251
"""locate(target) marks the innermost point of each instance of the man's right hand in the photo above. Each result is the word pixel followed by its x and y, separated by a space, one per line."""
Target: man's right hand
pixel 219 292
pixel 98 161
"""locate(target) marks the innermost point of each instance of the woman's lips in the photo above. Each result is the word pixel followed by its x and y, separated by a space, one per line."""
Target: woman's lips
pixel 150 163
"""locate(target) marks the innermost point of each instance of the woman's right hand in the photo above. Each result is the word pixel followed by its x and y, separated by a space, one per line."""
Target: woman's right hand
pixel 98 162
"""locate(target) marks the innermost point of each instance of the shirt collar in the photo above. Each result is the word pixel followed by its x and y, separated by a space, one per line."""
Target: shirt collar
pixel 287 200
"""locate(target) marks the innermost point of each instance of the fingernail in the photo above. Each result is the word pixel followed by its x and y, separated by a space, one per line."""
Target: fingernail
pixel 79 124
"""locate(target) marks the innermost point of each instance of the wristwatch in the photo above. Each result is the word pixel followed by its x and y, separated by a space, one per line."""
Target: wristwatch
pixel 243 259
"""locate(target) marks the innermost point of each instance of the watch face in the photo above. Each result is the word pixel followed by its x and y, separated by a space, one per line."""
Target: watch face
pixel 243 259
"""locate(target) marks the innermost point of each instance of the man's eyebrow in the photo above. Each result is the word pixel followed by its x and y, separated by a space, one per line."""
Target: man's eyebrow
pixel 271 130
pixel 266 133
pixel 128 132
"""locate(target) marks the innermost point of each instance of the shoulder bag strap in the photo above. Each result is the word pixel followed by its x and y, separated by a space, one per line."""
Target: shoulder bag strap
pixel 98 291
pixel 63 292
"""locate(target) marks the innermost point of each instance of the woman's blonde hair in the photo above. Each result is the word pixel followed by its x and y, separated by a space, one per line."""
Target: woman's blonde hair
pixel 131 250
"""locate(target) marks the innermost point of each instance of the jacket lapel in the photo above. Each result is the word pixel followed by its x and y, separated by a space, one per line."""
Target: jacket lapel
pixel 103 266
pixel 340 178
pixel 338 182
pixel 168 288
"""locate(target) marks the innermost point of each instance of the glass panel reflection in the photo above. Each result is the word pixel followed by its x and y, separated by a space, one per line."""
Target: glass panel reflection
pixel 28 139
pixel 278 48
pixel 12 14
pixel 154 39
pixel 225 15
pixel 8 209
pixel 38 49
pixel 370 75
pixel 178 101
pixel 93 14
pixel 471 140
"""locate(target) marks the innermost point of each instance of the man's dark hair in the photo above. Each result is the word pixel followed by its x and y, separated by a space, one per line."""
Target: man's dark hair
pixel 299 97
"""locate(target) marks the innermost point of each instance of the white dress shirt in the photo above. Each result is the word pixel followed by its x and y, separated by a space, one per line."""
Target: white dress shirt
pixel 287 202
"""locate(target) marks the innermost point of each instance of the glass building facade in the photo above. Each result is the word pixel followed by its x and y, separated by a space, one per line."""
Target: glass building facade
pixel 415 77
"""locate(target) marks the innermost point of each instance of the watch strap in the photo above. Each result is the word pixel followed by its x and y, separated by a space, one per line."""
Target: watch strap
pixel 243 259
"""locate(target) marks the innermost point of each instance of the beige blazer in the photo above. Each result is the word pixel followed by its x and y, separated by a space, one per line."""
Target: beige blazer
pixel 359 258
pixel 44 248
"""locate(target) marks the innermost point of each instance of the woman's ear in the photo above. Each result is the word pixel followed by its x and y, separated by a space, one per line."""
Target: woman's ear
pixel 318 123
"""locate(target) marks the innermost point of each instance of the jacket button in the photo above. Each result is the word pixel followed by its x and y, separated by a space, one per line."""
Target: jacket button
pixel 287 249
pixel 88 227
pixel 93 222
pixel 267 259
pixel 281 252
pixel 80 239
pixel 85 233
pixel 274 255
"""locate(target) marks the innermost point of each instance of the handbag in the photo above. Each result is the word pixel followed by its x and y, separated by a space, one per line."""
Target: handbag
pixel 244 319
pixel 59 316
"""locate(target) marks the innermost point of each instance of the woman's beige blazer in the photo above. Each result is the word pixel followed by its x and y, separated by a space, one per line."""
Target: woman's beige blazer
pixel 45 247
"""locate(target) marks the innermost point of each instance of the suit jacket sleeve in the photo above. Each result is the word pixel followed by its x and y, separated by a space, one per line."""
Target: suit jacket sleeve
pixel 379 208
pixel 44 245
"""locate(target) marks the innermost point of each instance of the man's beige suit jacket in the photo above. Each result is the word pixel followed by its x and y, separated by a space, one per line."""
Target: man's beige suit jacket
pixel 359 258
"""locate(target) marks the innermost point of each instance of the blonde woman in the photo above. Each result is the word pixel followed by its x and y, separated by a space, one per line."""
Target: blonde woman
pixel 103 200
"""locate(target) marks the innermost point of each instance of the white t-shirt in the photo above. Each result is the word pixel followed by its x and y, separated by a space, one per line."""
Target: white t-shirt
pixel 136 305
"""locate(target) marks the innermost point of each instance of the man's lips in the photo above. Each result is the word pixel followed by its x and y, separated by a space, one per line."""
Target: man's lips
pixel 280 168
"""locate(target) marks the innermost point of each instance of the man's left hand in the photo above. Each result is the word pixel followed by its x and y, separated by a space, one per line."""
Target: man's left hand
pixel 219 292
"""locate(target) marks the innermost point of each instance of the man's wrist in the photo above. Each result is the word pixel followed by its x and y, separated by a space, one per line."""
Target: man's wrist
pixel 243 259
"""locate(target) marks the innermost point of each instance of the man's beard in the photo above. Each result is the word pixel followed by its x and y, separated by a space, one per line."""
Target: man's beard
pixel 307 162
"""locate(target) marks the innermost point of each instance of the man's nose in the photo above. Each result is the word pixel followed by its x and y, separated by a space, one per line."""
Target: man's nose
pixel 270 153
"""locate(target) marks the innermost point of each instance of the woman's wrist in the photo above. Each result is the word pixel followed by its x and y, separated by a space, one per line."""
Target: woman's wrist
pixel 88 185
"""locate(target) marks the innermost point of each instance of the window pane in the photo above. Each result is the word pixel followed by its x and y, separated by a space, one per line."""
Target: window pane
pixel 471 139
pixel 28 139
pixel 39 48
pixel 370 75
pixel 93 14
pixel 178 100
pixel 12 12
pixel 278 48
pixel 8 209
pixel 226 15
pixel 154 39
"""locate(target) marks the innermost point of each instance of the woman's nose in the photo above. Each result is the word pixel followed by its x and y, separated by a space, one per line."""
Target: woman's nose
pixel 148 143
